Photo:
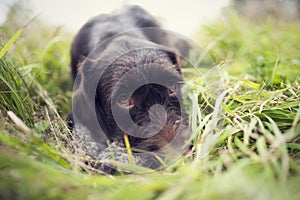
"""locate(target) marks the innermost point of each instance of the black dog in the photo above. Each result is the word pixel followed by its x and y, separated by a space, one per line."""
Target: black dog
pixel 123 66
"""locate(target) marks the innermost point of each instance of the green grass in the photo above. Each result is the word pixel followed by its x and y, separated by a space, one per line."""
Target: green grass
pixel 257 155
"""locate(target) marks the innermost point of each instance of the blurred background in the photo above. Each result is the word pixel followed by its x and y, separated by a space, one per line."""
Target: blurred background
pixel 180 16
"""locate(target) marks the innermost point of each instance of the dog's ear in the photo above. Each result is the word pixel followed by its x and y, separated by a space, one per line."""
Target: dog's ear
pixel 174 58
pixel 84 108
pixel 101 115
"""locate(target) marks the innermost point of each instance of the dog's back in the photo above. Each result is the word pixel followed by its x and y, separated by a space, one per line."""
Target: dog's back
pixel 104 26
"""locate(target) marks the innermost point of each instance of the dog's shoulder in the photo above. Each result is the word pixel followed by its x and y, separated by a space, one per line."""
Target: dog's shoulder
pixel 140 17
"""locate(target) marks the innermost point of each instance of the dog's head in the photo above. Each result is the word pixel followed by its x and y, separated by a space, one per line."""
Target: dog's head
pixel 130 87
pixel 138 93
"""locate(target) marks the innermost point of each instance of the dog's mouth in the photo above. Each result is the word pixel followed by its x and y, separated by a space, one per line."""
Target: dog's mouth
pixel 157 135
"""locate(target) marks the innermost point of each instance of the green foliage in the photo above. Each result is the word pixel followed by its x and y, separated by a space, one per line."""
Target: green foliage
pixel 268 51
pixel 40 55
pixel 14 92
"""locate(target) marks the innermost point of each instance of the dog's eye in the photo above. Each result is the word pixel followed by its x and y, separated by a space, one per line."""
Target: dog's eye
pixel 125 102
pixel 123 99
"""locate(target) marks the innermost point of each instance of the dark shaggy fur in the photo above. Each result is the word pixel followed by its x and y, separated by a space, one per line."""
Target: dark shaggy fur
pixel 103 46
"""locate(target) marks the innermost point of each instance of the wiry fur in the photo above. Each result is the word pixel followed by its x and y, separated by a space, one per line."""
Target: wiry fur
pixel 115 52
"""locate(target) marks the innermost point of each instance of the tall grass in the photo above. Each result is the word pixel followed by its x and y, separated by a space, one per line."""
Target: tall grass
pixel 14 92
